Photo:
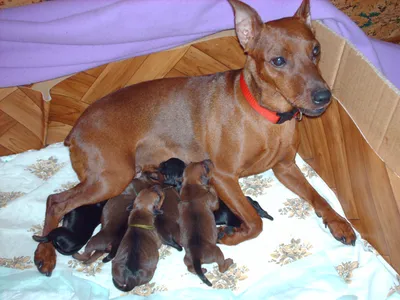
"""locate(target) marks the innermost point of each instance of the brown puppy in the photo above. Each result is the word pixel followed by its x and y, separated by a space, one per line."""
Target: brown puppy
pixel 137 255
pixel 196 219
pixel 167 223
pixel 222 117
pixel 114 222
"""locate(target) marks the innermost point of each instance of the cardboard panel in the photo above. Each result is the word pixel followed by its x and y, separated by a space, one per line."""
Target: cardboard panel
pixel 332 47
pixel 389 149
pixel 358 88
pixel 372 103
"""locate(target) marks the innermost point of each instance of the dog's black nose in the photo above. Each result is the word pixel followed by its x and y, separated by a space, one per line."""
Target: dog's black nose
pixel 321 97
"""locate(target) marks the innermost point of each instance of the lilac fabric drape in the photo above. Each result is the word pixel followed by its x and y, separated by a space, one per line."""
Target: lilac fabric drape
pixel 56 38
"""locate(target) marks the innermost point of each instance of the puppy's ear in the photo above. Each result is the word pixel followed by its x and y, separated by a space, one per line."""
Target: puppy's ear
pixel 159 191
pixel 157 211
pixel 205 180
pixel 303 12
pixel 208 166
pixel 129 207
pixel 248 24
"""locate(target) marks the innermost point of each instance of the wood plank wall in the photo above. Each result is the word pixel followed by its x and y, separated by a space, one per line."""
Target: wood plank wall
pixel 332 145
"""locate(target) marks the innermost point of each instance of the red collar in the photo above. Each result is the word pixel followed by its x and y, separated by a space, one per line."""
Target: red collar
pixel 273 117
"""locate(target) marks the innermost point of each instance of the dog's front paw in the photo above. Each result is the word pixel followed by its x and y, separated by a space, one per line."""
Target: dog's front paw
pixel 341 230
pixel 45 258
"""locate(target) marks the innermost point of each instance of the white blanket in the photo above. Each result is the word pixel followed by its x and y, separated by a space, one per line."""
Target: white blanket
pixel 295 257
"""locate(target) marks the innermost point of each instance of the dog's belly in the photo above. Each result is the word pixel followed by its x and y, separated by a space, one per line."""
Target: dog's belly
pixel 154 151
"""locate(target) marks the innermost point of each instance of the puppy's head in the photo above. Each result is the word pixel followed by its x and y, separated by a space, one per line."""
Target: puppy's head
pixel 122 275
pixel 150 200
pixel 172 170
pixel 199 173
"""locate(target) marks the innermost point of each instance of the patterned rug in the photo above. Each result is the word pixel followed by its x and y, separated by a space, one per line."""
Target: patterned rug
pixel 295 257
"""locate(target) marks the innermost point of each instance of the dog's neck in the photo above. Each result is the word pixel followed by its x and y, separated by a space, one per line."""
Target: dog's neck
pixel 265 93
pixel 141 217
pixel 191 191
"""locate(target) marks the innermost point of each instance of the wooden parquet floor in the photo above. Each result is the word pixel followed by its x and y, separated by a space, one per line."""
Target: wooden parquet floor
pixel 368 191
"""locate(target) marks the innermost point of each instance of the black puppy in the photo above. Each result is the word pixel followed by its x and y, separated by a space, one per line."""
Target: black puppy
pixel 172 170
pixel 224 216
pixel 76 230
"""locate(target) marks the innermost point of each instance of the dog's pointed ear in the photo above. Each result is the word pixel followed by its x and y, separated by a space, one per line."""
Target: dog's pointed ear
pixel 248 23
pixel 303 12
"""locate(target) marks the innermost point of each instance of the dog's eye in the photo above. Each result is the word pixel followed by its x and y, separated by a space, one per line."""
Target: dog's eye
pixel 278 61
pixel 316 51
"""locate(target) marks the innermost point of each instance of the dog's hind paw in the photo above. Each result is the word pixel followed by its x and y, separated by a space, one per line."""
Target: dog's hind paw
pixel 45 258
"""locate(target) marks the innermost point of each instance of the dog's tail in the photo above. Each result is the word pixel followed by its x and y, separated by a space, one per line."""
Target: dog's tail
pixel 260 211
pixel 67 141
pixel 174 244
pixel 41 239
pixel 199 272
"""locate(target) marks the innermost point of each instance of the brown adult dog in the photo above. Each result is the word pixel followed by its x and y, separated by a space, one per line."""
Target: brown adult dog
pixel 199 233
pixel 137 255
pixel 206 117
pixel 114 222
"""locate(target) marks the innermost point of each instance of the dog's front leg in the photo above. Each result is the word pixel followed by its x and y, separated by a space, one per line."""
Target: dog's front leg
pixel 290 175
pixel 228 189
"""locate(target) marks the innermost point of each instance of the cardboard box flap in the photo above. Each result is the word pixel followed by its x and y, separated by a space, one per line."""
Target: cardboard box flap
pixel 371 101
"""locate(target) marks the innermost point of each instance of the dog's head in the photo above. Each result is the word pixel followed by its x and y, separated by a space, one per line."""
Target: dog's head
pixel 149 200
pixel 198 173
pixel 284 55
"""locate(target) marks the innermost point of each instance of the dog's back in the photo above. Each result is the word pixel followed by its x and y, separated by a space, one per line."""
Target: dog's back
pixel 196 218
pixel 167 224
pixel 137 256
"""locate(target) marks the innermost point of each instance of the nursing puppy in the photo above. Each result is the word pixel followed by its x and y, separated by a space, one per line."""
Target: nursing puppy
pixel 196 219
pixel 113 222
pixel 167 223
pixel 137 256
pixel 172 170
pixel 77 228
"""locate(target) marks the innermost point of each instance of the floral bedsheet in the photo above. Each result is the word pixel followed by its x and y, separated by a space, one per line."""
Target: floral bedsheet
pixel 295 257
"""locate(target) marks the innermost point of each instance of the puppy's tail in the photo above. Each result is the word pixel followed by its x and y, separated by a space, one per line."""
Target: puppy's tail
pixel 260 211
pixel 174 244
pixel 41 239
pixel 199 272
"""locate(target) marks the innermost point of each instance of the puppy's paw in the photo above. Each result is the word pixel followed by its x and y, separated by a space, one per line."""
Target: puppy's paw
pixel 225 231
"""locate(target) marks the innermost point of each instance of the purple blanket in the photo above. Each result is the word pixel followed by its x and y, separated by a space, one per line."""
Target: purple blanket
pixel 57 38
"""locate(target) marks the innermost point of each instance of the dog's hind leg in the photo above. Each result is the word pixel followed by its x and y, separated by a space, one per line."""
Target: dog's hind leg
pixel 228 189
pixel 103 182
pixel 223 264
pixel 94 257
pixel 290 175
